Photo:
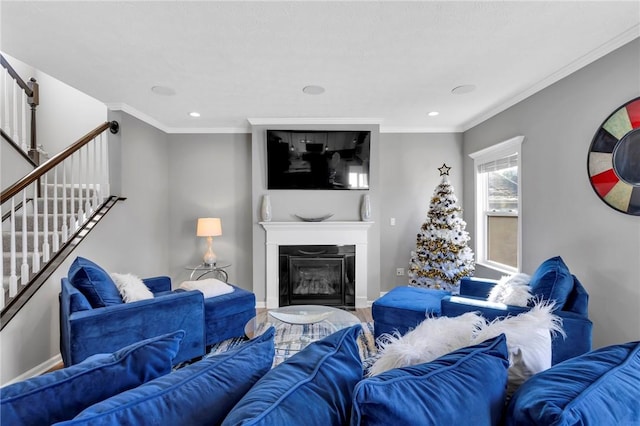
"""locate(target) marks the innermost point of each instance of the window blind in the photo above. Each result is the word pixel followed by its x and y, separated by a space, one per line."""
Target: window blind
pixel 499 164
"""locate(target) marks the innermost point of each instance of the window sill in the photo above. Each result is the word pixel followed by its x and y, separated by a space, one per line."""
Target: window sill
pixel 498 267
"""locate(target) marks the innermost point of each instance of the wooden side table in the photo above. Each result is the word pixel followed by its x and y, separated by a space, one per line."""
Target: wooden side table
pixel 218 270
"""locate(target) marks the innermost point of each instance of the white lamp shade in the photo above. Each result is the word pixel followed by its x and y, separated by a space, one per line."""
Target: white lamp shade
pixel 209 227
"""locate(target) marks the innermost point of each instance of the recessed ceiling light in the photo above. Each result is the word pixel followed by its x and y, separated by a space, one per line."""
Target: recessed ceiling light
pixel 433 113
pixel 194 114
pixel 163 90
pixel 313 90
pixel 465 88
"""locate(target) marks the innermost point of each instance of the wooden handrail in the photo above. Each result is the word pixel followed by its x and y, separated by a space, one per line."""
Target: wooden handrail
pixel 24 86
pixel 39 171
pixel 15 146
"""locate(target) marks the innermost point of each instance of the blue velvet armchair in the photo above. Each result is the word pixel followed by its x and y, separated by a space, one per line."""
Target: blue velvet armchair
pixel 551 281
pixel 87 330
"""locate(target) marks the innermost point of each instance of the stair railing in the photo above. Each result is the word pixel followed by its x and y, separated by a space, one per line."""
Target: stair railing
pixel 73 184
pixel 19 97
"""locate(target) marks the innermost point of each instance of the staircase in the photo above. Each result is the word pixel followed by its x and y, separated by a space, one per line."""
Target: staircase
pixel 32 245
pixel 46 213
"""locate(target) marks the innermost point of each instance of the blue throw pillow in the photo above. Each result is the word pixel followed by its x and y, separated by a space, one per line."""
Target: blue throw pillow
pixel 601 387
pixel 552 281
pixel 464 387
pixel 94 282
pixel 199 394
pixel 313 387
pixel 62 394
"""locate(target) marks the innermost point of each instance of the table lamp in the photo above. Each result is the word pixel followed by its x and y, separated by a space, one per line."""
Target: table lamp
pixel 209 227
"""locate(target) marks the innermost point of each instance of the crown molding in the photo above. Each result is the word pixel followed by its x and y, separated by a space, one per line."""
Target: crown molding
pixel 597 53
pixel 137 114
pixel 172 130
pixel 282 121
pixel 408 129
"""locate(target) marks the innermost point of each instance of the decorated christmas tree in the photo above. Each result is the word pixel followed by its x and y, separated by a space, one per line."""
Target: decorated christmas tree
pixel 442 256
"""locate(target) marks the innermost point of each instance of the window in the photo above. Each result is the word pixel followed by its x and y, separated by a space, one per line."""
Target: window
pixel 498 200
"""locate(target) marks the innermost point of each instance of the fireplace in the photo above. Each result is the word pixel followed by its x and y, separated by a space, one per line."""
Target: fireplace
pixel 317 275
pixel 316 234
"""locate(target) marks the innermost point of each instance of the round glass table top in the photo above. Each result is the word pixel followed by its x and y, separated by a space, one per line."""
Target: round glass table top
pixel 298 325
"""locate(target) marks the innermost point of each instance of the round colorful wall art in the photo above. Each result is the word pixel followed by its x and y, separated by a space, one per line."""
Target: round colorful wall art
pixel 614 159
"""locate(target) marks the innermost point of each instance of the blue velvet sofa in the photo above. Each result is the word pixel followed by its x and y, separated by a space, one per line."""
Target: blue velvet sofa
pixel 403 308
pixel 324 385
pixel 551 281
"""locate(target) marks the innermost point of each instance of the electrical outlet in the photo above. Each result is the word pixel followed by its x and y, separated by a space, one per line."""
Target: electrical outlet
pixel 392 221
pixel 399 272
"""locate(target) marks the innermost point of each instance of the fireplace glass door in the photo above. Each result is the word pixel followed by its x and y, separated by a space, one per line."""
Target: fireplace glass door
pixel 317 275
pixel 316 280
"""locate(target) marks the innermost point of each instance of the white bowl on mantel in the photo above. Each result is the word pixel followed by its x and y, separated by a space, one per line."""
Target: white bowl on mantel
pixel 314 219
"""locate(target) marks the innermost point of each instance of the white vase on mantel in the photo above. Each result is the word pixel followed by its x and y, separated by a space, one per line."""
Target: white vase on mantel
pixel 265 209
pixel 365 208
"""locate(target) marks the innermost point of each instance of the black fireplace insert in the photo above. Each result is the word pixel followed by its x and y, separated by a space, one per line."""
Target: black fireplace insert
pixel 317 275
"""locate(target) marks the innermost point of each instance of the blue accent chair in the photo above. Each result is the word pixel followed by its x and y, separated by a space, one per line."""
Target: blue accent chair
pixel 551 281
pixel 87 330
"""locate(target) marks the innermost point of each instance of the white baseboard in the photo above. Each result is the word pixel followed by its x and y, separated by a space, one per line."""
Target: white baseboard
pixel 37 370
pixel 261 305
pixel 370 302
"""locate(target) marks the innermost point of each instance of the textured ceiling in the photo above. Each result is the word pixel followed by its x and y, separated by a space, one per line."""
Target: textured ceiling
pixel 390 62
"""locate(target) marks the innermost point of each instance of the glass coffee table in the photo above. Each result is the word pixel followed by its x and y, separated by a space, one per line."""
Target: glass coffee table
pixel 298 325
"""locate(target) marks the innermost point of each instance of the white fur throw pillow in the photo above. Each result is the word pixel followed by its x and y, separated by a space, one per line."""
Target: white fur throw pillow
pixel 528 341
pixel 431 339
pixel 512 290
pixel 209 287
pixel 131 288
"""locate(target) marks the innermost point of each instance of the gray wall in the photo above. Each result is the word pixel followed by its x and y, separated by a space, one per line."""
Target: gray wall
pixel 58 102
pixel 132 238
pixel 210 176
pixel 408 176
pixel 561 214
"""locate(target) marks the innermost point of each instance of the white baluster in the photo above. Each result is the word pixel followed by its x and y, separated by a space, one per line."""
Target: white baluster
pixel 46 249
pixel 95 172
pixel 24 268
pixel 65 227
pixel 35 265
pixel 87 179
pixel 72 219
pixel 56 231
pixel 13 279
pixel 106 190
pixel 80 218
pixel 15 136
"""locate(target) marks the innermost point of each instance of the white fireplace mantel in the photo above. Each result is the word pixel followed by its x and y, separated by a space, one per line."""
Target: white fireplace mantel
pixel 316 233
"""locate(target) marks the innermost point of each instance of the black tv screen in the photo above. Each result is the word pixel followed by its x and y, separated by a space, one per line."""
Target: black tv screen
pixel 318 159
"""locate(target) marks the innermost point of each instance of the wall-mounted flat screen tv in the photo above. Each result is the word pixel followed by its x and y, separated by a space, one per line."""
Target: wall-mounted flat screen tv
pixel 318 159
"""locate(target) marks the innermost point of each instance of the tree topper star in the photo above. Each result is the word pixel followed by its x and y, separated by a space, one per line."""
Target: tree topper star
pixel 444 170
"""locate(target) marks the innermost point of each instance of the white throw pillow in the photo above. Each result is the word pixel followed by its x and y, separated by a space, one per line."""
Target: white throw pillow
pixel 431 339
pixel 528 341
pixel 131 288
pixel 512 290
pixel 209 287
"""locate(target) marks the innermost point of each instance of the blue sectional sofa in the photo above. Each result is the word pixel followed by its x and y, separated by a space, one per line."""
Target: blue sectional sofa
pixel 324 385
